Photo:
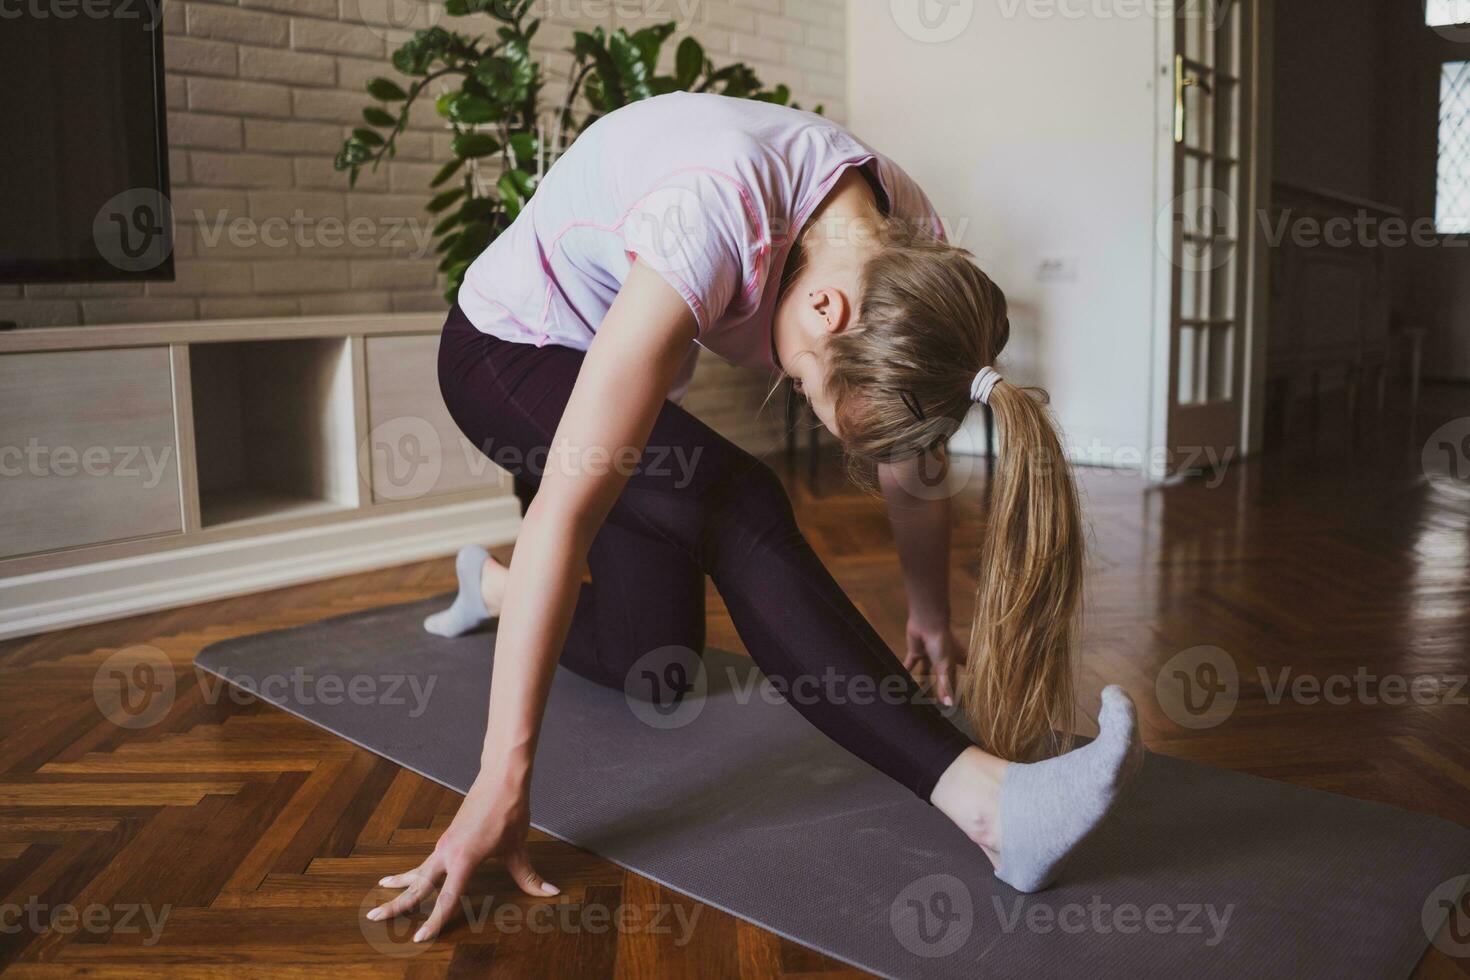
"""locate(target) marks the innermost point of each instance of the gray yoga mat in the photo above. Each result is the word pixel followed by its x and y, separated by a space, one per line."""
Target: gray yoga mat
pixel 735 800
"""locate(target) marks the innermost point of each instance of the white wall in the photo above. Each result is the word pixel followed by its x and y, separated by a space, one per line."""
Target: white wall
pixel 1034 135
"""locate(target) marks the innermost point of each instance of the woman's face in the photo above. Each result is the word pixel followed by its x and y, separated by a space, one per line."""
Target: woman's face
pixel 806 365
pixel 819 303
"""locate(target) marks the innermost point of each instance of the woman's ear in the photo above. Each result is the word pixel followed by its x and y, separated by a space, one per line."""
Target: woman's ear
pixel 832 308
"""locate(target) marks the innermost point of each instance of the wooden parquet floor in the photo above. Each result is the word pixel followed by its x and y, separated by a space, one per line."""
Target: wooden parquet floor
pixel 232 838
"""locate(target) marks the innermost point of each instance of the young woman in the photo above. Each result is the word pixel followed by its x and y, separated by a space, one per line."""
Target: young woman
pixel 779 241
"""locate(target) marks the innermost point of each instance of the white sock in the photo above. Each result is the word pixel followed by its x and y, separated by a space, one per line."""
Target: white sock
pixel 1048 808
pixel 468 609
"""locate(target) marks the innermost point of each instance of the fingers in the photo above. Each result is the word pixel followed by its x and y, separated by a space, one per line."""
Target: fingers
pixel 518 864
pixel 448 900
pixel 416 884
pixel 399 881
pixel 945 673
pixel 914 652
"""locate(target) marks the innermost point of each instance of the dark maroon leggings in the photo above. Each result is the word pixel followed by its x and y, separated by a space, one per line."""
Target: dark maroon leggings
pixel 699 505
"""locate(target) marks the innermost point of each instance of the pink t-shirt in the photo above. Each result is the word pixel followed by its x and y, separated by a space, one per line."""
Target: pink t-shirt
pixel 709 191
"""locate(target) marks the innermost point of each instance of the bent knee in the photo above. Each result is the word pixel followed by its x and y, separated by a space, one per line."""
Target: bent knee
pixel 755 504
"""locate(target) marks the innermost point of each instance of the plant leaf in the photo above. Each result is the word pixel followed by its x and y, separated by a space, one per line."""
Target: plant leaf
pixel 378 117
pixel 474 145
pixel 523 146
pixel 689 62
pixel 386 90
pixel 510 196
pixel 446 171
pixel 353 153
pixel 446 224
pixel 632 73
pixel 441 201
pixel 468 108
pixel 650 41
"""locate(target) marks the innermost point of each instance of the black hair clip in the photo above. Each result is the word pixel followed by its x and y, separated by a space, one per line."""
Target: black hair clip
pixel 912 403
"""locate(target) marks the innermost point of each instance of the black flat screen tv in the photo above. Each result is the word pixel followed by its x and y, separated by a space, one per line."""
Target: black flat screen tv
pixel 83 145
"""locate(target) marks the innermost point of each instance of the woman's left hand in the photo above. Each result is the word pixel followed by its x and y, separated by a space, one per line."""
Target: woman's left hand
pixel 940 651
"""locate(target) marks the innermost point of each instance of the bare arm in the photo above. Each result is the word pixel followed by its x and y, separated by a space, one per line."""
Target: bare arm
pixel 629 367
pixel 921 530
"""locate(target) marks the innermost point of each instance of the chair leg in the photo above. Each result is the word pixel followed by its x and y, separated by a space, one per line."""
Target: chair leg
pixel 1416 366
pixel 1314 416
pixel 1354 377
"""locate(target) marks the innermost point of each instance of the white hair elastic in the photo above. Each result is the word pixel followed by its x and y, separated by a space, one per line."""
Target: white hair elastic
pixel 985 381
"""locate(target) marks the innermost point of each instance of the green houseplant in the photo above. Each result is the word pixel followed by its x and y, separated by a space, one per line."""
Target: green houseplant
pixel 489 94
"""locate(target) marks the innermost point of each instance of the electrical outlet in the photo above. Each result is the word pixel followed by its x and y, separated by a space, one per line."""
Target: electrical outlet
pixel 1057 268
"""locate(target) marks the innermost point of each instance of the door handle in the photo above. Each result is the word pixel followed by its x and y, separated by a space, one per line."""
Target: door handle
pixel 1182 80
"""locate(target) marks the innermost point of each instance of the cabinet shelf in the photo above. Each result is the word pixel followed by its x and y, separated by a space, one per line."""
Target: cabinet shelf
pixel 273 429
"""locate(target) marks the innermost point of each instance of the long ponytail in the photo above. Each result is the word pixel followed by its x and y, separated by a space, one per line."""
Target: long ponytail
pixel 1020 694
pixel 900 378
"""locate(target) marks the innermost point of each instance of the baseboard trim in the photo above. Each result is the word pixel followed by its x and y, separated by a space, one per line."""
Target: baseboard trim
pixel 59 598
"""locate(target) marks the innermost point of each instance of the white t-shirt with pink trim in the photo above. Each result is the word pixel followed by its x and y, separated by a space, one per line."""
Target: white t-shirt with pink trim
pixel 709 191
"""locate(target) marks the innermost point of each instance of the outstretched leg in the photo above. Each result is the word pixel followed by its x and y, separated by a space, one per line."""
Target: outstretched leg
pixel 726 513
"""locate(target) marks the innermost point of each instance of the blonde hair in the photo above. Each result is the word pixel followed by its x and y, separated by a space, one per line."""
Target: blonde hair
pixel 928 320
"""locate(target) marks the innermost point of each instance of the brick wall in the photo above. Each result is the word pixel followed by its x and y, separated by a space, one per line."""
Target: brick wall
pixel 260 95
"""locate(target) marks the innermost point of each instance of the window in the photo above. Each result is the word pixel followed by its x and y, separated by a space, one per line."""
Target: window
pixel 1446 13
pixel 1452 201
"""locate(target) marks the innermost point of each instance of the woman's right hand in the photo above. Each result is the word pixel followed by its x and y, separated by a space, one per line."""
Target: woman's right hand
pixel 492 822
pixel 631 363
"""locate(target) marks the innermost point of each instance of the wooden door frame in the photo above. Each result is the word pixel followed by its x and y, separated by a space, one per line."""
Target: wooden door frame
pixel 1255 123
